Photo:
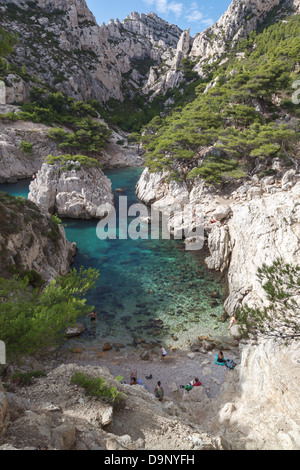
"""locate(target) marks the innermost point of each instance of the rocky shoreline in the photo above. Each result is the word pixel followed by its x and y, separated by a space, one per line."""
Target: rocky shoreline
pixel 257 223
pixel 237 409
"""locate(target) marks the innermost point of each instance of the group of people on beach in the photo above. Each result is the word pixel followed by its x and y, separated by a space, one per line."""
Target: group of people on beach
pixel 159 391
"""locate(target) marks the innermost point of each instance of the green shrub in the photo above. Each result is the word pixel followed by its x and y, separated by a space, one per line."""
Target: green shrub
pixel 97 387
pixel 32 320
pixel 55 219
pixel 25 379
pixel 67 165
pixel 26 147
pixel 8 117
pixel 34 278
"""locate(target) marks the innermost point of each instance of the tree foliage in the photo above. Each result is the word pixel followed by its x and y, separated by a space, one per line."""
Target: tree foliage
pixel 32 319
pixel 237 115
pixel 7 42
pixel 281 318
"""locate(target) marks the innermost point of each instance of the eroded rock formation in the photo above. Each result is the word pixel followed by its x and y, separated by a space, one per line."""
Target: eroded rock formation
pixel 77 193
pixel 30 240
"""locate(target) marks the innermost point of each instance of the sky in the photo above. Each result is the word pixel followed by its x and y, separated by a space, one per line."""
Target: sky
pixel 196 14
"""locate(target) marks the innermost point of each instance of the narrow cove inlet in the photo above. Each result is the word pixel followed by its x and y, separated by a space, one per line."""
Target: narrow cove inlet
pixel 147 289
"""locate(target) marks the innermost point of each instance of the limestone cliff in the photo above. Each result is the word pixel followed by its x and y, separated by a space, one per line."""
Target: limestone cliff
pixel 214 42
pixel 16 164
pixel 61 43
pixel 77 193
pixel 258 405
pixel 256 224
pixel 31 240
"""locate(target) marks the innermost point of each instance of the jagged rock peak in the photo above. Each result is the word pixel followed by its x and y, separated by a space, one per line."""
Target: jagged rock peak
pixel 89 59
pixel 151 26
pixel 49 5
pixel 238 21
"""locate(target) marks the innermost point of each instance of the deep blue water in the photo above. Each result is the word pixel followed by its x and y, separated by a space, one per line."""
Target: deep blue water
pixel 142 280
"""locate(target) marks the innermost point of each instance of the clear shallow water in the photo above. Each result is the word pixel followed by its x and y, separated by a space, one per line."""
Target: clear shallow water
pixel 142 281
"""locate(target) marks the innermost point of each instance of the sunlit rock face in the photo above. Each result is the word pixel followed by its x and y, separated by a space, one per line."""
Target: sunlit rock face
pixel 81 58
pixel 80 193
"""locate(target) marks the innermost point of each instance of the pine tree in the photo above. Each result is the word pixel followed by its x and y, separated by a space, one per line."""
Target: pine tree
pixel 281 318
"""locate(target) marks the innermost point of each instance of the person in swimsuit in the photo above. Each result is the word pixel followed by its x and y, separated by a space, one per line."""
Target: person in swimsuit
pixel 197 382
pixel 232 321
pixel 133 378
pixel 93 316
pixel 133 381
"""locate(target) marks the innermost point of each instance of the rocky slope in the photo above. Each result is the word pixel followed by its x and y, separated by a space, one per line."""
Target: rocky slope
pixel 16 164
pixel 54 414
pixel 237 22
pixel 30 240
pixel 77 193
pixel 61 43
pixel 212 44
pixel 141 54
pixel 258 406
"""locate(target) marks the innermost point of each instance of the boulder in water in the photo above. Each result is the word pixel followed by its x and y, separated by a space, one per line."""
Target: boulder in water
pixel 75 330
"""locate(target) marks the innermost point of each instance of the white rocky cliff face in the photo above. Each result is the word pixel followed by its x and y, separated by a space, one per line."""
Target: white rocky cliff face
pixel 255 225
pixel 16 164
pixel 258 405
pixel 90 60
pixel 77 193
pixel 30 240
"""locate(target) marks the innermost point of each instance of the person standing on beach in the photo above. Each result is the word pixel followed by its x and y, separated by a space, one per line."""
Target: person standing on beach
pixel 163 353
pixel 159 391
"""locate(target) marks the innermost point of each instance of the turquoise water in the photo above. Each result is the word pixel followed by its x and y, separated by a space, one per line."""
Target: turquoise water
pixel 149 289
pixel 21 188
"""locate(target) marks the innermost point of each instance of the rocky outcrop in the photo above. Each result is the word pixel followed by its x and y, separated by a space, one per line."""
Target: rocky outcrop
pixel 17 164
pixel 63 44
pixel 261 230
pixel 154 188
pixel 257 224
pixel 81 192
pixel 118 153
pixel 60 416
pixel 258 407
pixel 31 240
